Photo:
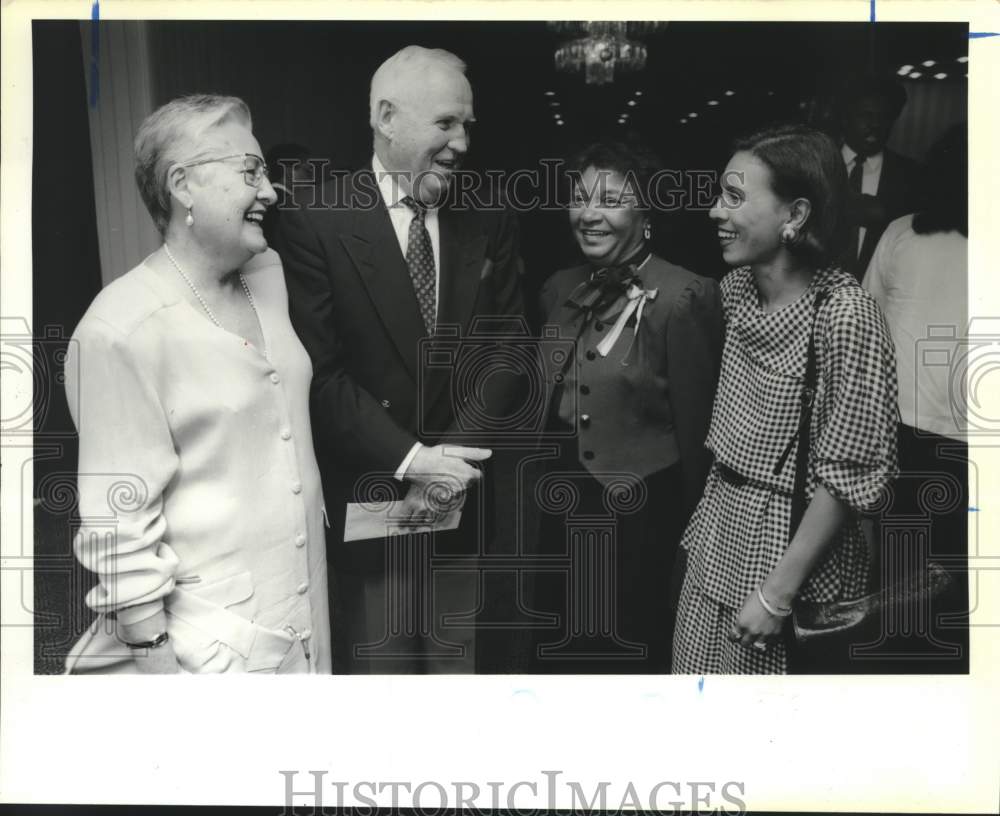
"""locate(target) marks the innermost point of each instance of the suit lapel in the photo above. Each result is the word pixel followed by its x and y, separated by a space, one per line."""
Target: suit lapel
pixel 373 248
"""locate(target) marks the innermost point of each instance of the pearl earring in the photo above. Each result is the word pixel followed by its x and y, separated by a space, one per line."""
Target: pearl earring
pixel 189 218
pixel 788 235
pixel 647 232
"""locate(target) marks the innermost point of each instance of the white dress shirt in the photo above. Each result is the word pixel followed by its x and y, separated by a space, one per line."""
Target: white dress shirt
pixel 920 281
pixel 870 175
pixel 401 217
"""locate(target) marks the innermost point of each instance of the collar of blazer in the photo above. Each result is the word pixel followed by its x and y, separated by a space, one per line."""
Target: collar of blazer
pixel 371 244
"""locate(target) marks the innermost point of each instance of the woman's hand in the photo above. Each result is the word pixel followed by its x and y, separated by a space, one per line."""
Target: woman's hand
pixel 755 627
pixel 158 660
pixel 161 660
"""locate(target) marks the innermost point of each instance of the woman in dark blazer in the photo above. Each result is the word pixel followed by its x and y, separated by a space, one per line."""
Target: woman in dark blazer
pixel 629 409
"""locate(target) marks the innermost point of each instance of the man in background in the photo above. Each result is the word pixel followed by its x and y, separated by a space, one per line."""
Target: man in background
pixel 883 183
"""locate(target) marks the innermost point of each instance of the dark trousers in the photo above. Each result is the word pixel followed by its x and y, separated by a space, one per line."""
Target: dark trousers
pixel 607 577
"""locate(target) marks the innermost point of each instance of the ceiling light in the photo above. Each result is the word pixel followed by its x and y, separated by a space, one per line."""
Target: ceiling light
pixel 940 76
pixel 928 63
pixel 638 93
pixel 713 102
pixel 623 115
pixel 770 93
pixel 684 121
pixel 962 59
pixel 550 93
pixel 560 122
pixel 904 70
pixel 553 104
pixel 631 103
pixel 730 93
pixel 621 121
pixel 915 75
pixel 692 115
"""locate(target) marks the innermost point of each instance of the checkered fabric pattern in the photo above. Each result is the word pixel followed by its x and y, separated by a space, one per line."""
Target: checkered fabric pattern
pixel 420 262
pixel 739 533
pixel 701 646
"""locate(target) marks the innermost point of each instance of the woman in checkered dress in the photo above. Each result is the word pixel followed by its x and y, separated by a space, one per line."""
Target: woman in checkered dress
pixel 780 223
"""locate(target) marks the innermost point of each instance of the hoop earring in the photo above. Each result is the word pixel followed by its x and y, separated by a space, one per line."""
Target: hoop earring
pixel 788 235
pixel 189 218
pixel 647 232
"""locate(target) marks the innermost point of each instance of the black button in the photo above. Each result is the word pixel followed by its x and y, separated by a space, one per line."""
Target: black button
pixel 558 378
pixel 585 420
pixel 598 326
pixel 588 454
pixel 584 390
pixel 591 355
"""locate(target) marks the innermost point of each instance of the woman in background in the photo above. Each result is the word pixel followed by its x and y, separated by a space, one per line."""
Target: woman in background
pixel 919 276
pixel 780 219
pixel 631 407
pixel 199 494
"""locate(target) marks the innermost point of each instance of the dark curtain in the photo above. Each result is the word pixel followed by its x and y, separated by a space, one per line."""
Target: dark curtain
pixel 66 275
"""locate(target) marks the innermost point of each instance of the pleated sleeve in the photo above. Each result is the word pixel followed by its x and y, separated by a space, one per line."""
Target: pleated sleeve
pixel 127 458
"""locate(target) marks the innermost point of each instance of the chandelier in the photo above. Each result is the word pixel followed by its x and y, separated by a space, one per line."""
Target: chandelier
pixel 603 48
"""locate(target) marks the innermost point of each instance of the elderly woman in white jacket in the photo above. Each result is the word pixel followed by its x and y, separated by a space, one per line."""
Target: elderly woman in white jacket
pixel 200 501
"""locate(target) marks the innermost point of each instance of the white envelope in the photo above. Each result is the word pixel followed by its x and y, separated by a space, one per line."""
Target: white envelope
pixel 365 521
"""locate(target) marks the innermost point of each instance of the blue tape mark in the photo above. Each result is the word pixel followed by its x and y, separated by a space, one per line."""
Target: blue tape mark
pixel 95 53
pixel 701 684
pixel 973 509
pixel 975 35
pixel 873 11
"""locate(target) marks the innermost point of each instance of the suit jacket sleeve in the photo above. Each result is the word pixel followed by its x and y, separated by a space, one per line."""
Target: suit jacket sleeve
pixel 348 422
pixel 694 351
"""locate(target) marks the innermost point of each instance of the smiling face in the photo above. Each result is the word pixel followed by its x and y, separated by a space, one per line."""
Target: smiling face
pixel 228 212
pixel 749 216
pixel 426 129
pixel 605 218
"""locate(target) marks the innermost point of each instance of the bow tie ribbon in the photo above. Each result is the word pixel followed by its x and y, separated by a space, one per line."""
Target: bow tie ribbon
pixel 637 299
pixel 604 286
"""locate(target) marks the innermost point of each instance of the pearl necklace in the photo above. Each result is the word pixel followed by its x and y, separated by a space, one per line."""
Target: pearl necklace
pixel 204 305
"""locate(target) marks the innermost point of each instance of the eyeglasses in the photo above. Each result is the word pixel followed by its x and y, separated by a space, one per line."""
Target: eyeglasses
pixel 254 167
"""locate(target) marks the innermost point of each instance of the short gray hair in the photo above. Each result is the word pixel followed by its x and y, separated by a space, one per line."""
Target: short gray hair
pixel 405 66
pixel 162 136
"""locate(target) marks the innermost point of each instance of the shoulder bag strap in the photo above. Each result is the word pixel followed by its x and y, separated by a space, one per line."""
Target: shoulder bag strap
pixel 802 431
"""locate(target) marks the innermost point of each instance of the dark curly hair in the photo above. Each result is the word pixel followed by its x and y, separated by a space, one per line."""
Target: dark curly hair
pixel 631 160
pixel 947 185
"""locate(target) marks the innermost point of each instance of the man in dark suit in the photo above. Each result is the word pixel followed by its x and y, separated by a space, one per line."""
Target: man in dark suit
pixel 883 184
pixel 385 281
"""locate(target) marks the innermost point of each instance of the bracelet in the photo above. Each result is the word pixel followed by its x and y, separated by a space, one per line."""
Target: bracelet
pixel 159 640
pixel 778 612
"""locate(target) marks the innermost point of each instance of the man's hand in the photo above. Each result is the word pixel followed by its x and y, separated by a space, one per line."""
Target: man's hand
pixel 426 506
pixel 439 477
pixel 446 463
